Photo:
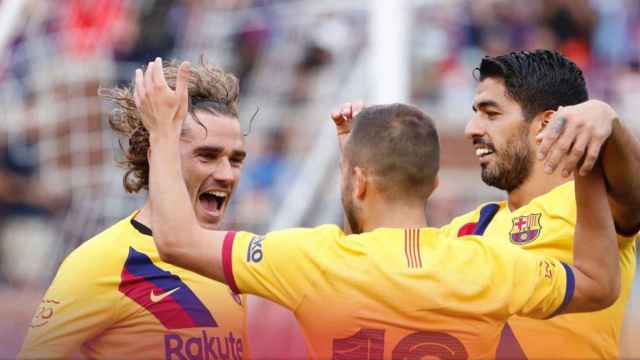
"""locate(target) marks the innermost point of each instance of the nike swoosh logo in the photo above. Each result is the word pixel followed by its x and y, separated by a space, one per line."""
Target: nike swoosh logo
pixel 156 298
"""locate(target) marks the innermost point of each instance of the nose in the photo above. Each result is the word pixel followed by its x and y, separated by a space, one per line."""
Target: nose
pixel 474 128
pixel 224 171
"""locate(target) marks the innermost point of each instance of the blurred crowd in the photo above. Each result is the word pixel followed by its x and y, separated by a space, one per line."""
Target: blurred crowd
pixel 601 36
pixel 59 183
pixel 57 154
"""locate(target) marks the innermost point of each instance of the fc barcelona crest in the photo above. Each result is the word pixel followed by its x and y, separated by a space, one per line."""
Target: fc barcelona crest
pixel 525 229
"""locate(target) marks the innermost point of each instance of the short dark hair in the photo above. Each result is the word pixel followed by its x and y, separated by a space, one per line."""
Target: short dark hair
pixel 399 144
pixel 539 81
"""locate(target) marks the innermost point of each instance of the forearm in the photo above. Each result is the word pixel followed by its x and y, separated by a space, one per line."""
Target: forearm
pixel 596 260
pixel 621 163
pixel 176 231
pixel 171 214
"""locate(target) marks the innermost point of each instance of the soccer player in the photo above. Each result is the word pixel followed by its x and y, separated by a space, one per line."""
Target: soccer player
pixel 396 289
pixel 534 105
pixel 527 98
pixel 113 297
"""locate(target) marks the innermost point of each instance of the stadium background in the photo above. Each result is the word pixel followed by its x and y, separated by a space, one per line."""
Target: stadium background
pixel 297 61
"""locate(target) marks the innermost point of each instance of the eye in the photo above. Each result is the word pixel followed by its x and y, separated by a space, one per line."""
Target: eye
pixel 492 114
pixel 236 161
pixel 205 157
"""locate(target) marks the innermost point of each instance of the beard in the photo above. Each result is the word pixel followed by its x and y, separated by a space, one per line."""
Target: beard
pixel 512 166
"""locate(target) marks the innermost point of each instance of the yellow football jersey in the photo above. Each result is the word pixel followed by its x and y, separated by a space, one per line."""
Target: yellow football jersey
pixel 113 298
pixel 395 293
pixel 545 226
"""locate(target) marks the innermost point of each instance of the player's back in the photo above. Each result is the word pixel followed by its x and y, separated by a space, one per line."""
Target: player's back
pixel 405 293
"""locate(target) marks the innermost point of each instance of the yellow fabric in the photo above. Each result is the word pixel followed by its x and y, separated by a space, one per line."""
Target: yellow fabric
pixel 393 292
pixel 86 311
pixel 573 336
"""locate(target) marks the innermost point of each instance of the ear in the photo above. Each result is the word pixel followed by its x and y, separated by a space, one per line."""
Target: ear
pixel 542 120
pixel 360 182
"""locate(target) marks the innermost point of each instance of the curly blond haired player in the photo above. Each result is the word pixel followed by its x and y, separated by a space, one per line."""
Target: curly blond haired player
pixel 396 288
pixel 114 297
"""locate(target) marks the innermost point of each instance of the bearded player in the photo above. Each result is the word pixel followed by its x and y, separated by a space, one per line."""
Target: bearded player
pixel 114 297
pixel 530 98
pixel 397 289
pixel 533 106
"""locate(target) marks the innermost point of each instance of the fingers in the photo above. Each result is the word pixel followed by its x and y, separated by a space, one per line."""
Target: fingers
pixel 560 149
pixel 337 118
pixel 591 157
pixel 347 110
pixel 356 107
pixel 148 80
pixel 575 155
pixel 158 74
pixel 181 82
pixel 139 92
pixel 182 90
pixel 551 133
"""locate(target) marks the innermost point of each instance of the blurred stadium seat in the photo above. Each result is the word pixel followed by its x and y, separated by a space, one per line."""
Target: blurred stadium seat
pixel 297 61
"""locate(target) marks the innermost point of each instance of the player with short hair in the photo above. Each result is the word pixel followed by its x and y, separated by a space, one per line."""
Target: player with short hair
pixel 527 98
pixel 397 289
pixel 113 297
pixel 534 105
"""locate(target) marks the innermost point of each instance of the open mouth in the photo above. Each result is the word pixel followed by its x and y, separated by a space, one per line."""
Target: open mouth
pixel 482 152
pixel 213 201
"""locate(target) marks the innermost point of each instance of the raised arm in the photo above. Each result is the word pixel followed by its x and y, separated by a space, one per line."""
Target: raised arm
pixel 596 264
pixel 343 121
pixel 178 236
pixel 586 131
pixel 621 162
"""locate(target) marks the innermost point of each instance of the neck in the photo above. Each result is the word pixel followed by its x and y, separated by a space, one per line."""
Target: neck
pixel 399 215
pixel 144 215
pixel 537 184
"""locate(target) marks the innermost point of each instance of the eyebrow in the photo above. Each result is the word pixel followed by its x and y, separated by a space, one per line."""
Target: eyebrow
pixel 239 153
pixel 219 149
pixel 484 104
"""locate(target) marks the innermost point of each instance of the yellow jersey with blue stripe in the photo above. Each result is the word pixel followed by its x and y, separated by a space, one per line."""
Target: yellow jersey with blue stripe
pixel 546 227
pixel 113 298
pixel 396 293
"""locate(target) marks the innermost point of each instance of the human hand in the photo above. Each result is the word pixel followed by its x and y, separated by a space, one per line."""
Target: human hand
pixel 576 134
pixel 163 109
pixel 343 120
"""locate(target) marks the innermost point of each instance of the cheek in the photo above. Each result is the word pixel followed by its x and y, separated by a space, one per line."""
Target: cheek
pixel 237 172
pixel 193 172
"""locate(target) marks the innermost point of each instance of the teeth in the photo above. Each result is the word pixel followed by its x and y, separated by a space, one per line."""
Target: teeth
pixel 483 151
pixel 217 193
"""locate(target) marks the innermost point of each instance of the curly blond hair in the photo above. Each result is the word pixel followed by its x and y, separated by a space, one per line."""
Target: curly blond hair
pixel 210 89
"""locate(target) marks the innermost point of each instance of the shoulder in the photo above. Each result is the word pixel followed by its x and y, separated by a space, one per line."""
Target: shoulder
pixel 559 202
pixel 100 254
pixel 318 232
pixel 466 224
pixel 302 235
pixel 476 250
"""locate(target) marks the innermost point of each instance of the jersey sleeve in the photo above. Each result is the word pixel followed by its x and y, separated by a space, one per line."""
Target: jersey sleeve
pixel 77 306
pixel 535 286
pixel 506 280
pixel 279 266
